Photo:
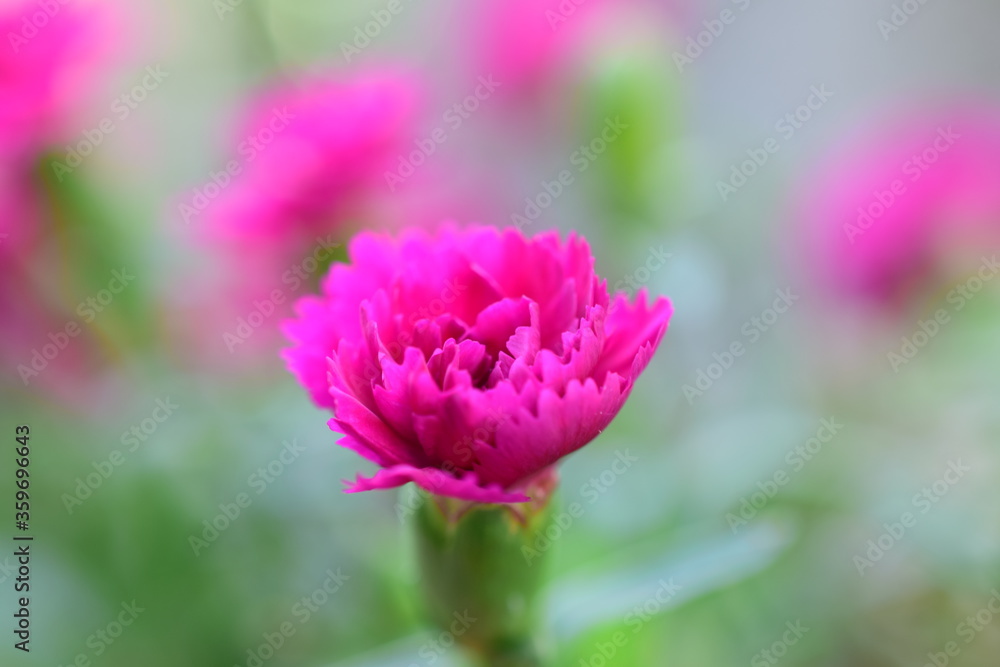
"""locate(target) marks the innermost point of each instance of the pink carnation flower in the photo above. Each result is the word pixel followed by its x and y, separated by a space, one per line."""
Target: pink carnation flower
pixel 471 361
pixel 883 213
pixel 308 154
pixel 524 43
pixel 50 58
pixel 48 61
pixel 310 159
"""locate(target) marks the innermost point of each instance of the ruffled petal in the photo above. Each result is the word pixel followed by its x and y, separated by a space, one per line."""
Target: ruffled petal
pixel 470 361
pixel 466 487
pixel 532 440
pixel 628 328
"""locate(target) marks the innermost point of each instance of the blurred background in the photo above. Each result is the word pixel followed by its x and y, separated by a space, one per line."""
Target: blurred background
pixel 815 185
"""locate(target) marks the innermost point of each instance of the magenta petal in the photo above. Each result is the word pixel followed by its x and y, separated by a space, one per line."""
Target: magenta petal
pixel 357 421
pixel 628 328
pixel 438 482
pixel 472 360
pixel 315 339
pixel 531 442
pixel 497 323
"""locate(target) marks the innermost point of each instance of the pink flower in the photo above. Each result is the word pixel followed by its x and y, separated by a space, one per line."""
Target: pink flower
pixel 522 42
pixel 883 213
pixel 308 154
pixel 470 361
pixel 48 61
pixel 50 58
pixel 308 164
pixel 525 43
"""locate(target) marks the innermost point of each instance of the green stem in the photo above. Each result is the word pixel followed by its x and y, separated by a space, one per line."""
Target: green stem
pixel 512 654
pixel 481 577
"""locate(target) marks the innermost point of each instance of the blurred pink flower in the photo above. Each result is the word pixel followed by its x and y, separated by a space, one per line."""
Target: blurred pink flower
pixel 522 42
pixel 472 360
pixel 309 165
pixel 51 58
pixel 525 43
pixel 884 212
pixel 48 61
pixel 307 155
